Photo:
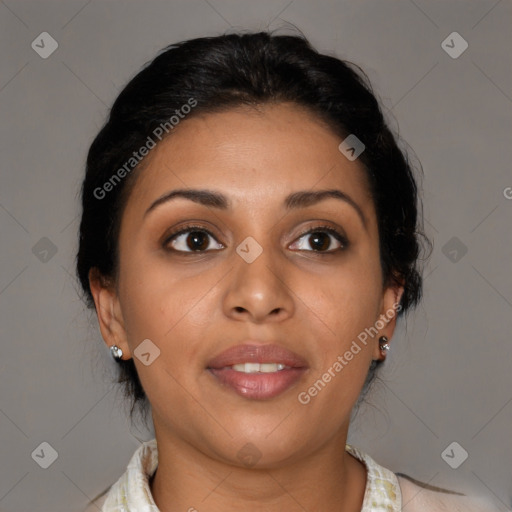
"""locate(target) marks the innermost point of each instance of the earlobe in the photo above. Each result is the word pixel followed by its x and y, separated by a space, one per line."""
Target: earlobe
pixel 387 320
pixel 108 312
pixel 391 307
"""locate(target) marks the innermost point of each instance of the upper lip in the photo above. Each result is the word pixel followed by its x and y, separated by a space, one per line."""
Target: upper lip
pixel 254 352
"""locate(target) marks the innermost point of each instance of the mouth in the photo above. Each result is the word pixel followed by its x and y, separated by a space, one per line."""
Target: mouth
pixel 258 372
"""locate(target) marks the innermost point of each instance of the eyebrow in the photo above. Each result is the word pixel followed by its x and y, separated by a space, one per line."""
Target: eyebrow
pixel 294 201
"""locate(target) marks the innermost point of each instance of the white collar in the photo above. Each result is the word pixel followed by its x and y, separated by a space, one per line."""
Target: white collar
pixel 132 493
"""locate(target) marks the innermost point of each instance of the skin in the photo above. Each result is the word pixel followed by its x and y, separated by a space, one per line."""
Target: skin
pixel 195 305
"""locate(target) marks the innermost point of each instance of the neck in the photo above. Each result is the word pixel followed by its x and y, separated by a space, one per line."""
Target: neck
pixel 189 480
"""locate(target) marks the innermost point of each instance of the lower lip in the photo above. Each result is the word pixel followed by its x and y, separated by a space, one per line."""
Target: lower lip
pixel 258 386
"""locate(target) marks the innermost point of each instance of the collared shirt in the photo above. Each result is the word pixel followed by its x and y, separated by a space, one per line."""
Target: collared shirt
pixel 385 491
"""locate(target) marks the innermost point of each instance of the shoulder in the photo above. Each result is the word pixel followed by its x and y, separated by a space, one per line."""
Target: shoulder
pixel 97 503
pixel 420 497
pixel 132 485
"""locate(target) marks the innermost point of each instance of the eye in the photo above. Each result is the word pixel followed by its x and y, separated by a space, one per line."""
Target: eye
pixel 321 237
pixel 196 239
pixel 190 239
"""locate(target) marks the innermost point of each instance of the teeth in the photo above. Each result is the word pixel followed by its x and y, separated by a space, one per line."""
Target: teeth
pixel 271 367
pixel 247 367
pixel 257 367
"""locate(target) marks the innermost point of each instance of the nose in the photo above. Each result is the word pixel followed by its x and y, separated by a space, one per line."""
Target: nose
pixel 258 291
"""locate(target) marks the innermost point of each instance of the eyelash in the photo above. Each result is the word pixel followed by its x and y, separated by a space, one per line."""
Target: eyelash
pixel 318 229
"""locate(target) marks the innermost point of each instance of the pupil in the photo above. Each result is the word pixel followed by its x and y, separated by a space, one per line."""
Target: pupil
pixel 196 237
pixel 320 245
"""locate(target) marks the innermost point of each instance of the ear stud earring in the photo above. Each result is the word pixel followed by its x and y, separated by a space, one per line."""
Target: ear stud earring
pixel 116 352
pixel 383 343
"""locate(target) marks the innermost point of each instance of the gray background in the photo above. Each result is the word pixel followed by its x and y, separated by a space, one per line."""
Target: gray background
pixel 448 375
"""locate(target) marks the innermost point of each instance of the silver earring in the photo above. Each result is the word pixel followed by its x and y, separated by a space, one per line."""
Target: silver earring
pixel 116 352
pixel 383 343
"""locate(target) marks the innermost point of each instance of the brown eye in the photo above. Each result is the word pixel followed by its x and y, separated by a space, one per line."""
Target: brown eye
pixel 319 241
pixel 321 238
pixel 190 239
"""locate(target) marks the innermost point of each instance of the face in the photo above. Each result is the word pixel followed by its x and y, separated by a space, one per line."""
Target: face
pixel 256 268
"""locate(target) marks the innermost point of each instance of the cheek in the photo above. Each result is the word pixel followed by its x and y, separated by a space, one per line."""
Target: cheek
pixel 172 309
pixel 154 299
pixel 348 304
pixel 158 306
pixel 351 297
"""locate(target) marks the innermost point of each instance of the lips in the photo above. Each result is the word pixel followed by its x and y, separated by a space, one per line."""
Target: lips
pixel 253 353
pixel 260 383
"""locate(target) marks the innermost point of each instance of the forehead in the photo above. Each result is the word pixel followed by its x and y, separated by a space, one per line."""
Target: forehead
pixel 256 156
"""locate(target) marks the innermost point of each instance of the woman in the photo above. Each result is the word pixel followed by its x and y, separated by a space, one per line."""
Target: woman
pixel 249 238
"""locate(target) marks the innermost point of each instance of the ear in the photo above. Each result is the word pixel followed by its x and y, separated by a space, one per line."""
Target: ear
pixel 108 311
pixel 386 322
